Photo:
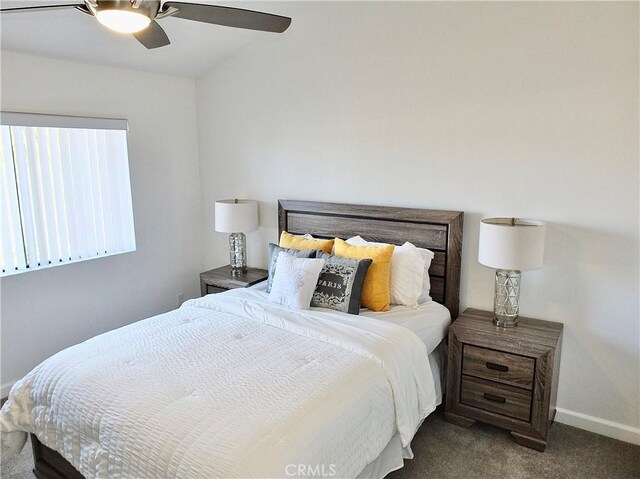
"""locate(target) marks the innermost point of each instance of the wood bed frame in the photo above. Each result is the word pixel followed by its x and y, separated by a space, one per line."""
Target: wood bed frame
pixel 438 230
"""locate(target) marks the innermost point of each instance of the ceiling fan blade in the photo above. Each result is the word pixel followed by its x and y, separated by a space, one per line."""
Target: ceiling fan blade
pixel 40 7
pixel 229 17
pixel 153 36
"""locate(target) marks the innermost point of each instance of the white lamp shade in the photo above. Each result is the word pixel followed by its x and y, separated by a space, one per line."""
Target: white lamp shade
pixel 236 216
pixel 511 243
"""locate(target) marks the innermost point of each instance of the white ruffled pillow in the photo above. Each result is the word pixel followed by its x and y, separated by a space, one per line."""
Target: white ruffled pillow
pixel 407 271
pixel 295 281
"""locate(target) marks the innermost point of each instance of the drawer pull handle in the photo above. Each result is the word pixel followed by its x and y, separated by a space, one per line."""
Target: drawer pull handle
pixel 497 367
pixel 494 398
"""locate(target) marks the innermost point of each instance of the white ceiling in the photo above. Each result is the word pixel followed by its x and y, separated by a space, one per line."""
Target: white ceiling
pixel 71 35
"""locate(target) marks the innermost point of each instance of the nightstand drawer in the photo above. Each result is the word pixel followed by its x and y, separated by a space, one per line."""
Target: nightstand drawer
pixel 214 289
pixel 505 368
pixel 499 398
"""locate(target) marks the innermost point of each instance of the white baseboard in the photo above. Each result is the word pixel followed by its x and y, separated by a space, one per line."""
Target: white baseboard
pixel 599 426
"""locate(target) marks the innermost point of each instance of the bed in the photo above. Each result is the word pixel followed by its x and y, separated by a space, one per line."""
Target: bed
pixel 226 386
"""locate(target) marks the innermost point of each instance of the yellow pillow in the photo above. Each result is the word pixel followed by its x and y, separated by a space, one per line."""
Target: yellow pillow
pixel 375 292
pixel 287 240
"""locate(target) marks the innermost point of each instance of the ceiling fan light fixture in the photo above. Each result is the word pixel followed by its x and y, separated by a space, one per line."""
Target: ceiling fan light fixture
pixel 123 21
pixel 138 17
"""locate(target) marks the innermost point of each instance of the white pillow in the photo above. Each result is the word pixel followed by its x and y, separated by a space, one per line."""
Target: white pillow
pixel 427 256
pixel 407 271
pixel 295 281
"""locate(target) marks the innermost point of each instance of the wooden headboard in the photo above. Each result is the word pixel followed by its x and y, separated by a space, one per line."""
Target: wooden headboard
pixel 438 230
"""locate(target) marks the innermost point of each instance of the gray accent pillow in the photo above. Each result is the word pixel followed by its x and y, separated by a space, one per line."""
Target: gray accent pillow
pixel 274 249
pixel 340 283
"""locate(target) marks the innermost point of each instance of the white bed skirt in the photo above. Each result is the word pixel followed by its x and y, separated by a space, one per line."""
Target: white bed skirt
pixel 393 455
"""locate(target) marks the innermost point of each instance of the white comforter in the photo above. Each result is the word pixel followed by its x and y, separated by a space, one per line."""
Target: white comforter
pixel 227 386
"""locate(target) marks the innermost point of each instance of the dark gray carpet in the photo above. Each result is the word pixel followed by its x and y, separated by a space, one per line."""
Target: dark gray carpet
pixel 443 450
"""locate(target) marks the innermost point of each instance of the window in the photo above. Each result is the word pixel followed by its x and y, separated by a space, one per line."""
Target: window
pixel 65 194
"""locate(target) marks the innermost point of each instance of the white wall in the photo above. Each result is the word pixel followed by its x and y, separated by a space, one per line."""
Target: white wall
pixel 47 310
pixel 524 109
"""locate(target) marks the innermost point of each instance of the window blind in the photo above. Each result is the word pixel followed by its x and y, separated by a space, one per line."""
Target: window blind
pixel 66 193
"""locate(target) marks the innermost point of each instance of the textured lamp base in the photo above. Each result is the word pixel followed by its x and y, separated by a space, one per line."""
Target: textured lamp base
pixel 238 253
pixel 505 304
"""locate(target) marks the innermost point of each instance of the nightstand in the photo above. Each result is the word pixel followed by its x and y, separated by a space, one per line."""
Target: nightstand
pixel 507 377
pixel 220 279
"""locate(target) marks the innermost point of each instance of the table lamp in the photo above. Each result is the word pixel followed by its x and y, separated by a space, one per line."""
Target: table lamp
pixel 236 217
pixel 511 245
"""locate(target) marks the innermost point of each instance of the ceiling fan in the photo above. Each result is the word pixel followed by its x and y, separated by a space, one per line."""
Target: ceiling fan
pixel 138 17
